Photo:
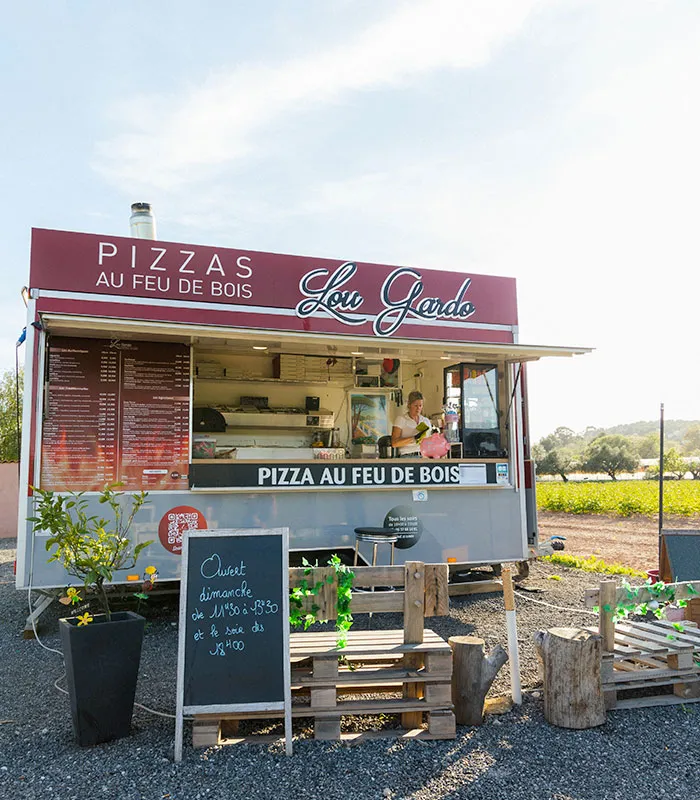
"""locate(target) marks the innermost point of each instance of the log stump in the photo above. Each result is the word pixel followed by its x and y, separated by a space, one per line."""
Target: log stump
pixel 573 694
pixel 472 676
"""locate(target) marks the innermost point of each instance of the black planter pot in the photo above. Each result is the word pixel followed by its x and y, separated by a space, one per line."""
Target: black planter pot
pixel 102 666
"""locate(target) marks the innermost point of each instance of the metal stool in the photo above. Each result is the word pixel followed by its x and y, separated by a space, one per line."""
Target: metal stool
pixel 376 536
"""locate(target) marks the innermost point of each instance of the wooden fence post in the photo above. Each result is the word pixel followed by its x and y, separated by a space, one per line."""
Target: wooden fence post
pixel 513 656
pixel 607 600
pixel 413 622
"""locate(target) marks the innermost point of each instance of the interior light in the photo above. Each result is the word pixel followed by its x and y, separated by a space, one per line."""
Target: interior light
pixel 444 358
pixel 259 347
pixel 356 353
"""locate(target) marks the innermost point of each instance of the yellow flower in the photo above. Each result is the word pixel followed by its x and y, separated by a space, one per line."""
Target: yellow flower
pixel 73 595
pixel 150 570
pixel 83 619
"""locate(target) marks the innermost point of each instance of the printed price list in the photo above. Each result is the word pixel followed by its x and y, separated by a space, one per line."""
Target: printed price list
pixel 79 441
pixel 116 411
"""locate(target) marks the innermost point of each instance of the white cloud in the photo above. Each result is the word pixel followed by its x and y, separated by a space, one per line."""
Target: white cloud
pixel 173 141
pixel 591 204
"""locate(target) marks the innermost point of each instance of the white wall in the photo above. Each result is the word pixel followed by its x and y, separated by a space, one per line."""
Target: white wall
pixel 9 486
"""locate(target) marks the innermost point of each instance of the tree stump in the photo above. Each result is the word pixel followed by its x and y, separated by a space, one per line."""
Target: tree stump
pixel 573 694
pixel 472 676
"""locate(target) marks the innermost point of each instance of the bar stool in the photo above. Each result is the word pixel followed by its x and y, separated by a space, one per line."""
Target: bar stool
pixel 376 536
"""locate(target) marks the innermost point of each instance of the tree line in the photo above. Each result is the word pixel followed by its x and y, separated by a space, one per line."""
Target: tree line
pixel 564 452
pixel 11 390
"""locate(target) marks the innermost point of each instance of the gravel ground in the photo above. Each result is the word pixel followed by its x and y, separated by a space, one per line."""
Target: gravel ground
pixel 514 755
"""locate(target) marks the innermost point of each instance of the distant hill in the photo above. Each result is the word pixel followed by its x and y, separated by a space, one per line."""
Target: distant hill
pixel 674 429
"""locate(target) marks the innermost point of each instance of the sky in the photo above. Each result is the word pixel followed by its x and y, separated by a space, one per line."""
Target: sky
pixel 553 141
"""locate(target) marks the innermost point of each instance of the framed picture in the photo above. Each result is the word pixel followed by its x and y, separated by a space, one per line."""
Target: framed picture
pixel 369 417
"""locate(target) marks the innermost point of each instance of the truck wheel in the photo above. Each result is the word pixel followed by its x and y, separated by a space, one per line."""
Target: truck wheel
pixel 523 570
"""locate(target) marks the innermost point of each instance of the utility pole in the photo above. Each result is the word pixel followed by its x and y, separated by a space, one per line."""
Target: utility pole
pixel 661 477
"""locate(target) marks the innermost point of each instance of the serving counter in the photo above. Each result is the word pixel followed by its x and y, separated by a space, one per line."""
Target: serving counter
pixel 300 475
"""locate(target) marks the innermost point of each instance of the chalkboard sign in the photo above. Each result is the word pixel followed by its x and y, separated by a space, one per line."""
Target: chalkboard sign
pixel 680 555
pixel 233 650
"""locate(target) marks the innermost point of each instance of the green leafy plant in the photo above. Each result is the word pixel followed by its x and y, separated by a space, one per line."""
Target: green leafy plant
pixel 591 564
pixel 344 576
pixel 300 616
pixel 662 595
pixel 90 548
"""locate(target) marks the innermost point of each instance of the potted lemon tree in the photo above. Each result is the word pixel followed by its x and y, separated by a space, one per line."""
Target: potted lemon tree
pixel 102 651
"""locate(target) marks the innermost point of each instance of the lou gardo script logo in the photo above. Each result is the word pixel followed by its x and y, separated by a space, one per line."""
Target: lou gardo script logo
pixel 328 292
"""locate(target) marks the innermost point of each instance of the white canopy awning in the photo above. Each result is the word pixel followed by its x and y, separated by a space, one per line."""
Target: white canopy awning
pixel 236 340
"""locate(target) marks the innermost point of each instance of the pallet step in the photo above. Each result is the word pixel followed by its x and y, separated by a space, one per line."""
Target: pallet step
pixel 364 677
pixel 344 708
pixel 376 674
pixel 376 707
pixel 363 643
pixel 662 656
pixel 660 700
pixel 350 739
pixel 647 634
pixel 207 730
pixel 652 675
pixel 649 684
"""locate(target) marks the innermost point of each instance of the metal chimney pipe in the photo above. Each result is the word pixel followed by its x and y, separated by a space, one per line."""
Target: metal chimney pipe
pixel 142 221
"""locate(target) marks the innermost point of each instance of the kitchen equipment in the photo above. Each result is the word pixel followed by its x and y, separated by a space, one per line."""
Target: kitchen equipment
pixel 473 391
pixel 254 401
pixel 208 420
pixel 364 451
pixel 385 448
pixel 278 418
pixel 451 425
pixel 204 448
pixel 329 453
pixel 225 452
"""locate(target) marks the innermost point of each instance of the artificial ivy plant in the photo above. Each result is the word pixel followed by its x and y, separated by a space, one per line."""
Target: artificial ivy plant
pixel 299 617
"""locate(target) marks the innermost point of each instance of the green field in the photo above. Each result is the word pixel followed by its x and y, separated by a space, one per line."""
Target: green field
pixel 619 498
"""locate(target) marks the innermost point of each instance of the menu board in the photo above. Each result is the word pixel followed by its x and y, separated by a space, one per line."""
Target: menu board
pixel 233 652
pixel 115 412
pixel 155 415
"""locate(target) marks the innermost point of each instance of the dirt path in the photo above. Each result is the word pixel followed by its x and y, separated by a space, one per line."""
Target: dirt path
pixel 631 541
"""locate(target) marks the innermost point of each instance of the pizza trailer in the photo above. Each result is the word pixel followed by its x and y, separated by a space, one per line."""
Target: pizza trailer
pixel 256 390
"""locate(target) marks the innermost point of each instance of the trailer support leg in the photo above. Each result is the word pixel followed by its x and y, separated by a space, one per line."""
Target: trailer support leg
pixel 38 606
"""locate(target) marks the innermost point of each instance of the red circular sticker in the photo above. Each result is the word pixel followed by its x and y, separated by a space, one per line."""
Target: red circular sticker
pixel 176 522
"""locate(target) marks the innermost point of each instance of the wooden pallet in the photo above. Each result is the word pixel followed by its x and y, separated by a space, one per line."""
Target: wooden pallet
pixel 378 674
pixel 405 672
pixel 644 657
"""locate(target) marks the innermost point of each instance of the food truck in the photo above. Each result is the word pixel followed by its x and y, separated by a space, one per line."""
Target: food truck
pixel 257 390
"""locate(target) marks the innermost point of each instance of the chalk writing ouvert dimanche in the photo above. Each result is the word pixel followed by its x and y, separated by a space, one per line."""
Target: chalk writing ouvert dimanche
pixel 235 600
